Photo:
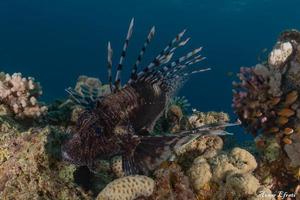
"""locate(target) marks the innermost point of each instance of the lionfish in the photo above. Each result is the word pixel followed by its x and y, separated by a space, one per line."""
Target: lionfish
pixel 120 123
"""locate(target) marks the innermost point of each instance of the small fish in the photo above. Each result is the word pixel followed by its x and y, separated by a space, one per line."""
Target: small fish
pixel 120 123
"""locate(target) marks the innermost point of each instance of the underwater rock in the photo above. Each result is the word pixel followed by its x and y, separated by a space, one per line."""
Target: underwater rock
pixel 33 170
pixel 128 188
pixel 21 95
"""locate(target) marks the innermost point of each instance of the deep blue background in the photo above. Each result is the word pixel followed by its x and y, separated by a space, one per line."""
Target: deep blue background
pixel 58 40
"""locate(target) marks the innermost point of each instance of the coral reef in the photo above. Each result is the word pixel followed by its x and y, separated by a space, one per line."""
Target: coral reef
pixel 128 188
pixel 225 176
pixel 92 85
pixel 31 168
pixel 172 183
pixel 198 118
pixel 21 95
pixel 116 166
pixel 266 101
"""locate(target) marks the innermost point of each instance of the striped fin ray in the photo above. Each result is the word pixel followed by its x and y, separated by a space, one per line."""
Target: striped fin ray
pixel 179 68
pixel 109 65
pixel 190 58
pixel 141 54
pixel 164 59
pixel 123 54
pixel 174 82
pixel 166 54
pixel 85 98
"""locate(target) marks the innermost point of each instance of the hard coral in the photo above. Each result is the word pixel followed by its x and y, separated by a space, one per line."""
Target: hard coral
pixel 127 188
pixel 267 102
pixel 225 176
pixel 171 183
pixel 20 95
pixel 200 173
pixel 207 146
pixel 198 118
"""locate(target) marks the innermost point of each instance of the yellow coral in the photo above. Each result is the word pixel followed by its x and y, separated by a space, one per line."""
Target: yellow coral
pixel 200 173
pixel 116 166
pixel 207 145
pixel 243 160
pixel 201 118
pixel 243 184
pixel 127 188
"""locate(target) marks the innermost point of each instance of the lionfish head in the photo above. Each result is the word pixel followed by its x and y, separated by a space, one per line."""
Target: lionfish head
pixel 86 140
pixel 71 151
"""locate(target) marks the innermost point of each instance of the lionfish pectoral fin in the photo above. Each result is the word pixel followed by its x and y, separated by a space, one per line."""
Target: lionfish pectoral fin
pixel 154 150
pixel 85 97
pixel 129 166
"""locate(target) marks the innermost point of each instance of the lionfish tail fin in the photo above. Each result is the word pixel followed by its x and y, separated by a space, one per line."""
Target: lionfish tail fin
pixel 123 55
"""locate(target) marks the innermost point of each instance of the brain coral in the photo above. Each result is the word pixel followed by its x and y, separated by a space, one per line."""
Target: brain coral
pixel 200 173
pixel 20 95
pixel 128 188
pixel 225 176
pixel 116 166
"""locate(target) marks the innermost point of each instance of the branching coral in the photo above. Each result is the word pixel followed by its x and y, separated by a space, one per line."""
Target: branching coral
pixel 127 188
pixel 20 95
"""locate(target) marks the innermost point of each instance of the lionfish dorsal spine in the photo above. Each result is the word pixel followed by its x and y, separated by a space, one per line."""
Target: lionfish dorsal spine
pixel 150 36
pixel 109 65
pixel 167 72
pixel 123 55
pixel 157 61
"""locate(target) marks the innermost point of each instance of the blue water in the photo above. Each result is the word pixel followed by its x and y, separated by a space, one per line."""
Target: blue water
pixel 56 41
